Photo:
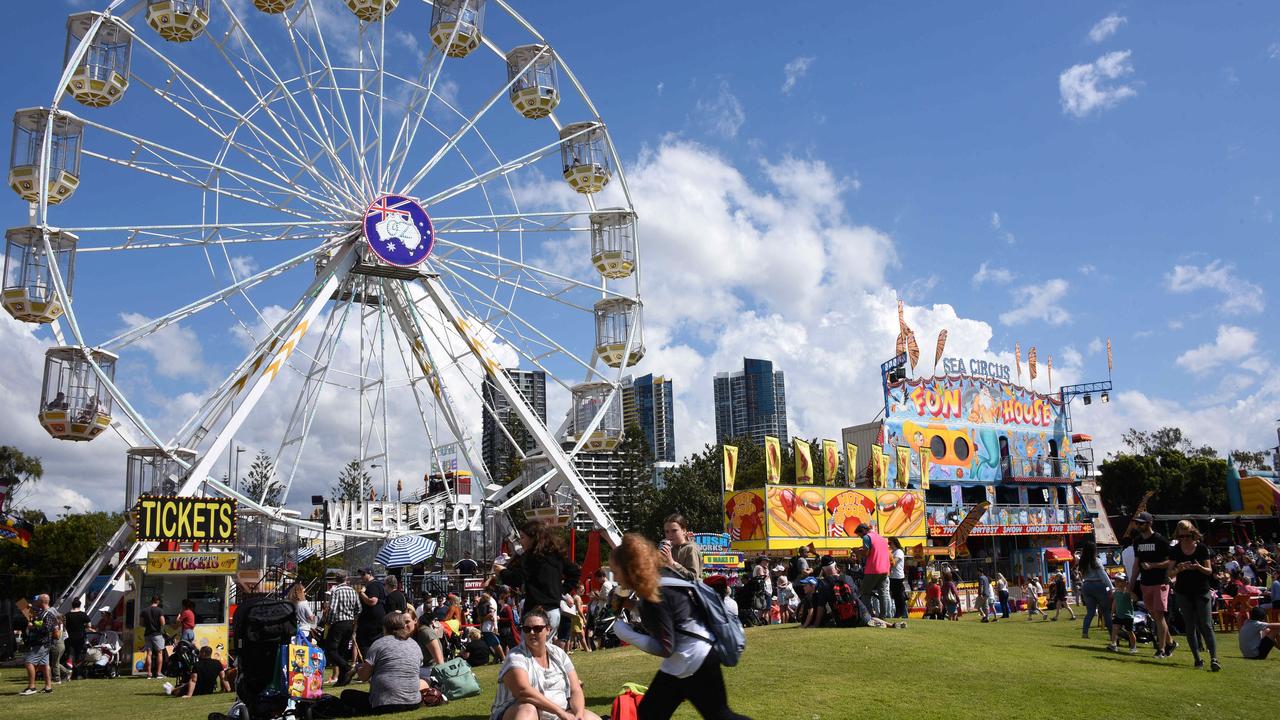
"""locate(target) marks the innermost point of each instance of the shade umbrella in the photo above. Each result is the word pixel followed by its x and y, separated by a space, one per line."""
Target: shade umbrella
pixel 306 553
pixel 406 550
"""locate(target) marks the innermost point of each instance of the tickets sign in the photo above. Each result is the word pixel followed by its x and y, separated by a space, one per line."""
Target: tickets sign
pixel 186 519
pixel 192 563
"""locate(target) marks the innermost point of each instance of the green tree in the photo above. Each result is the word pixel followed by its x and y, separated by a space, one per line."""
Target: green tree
pixel 1185 478
pixel 57 552
pixel 261 484
pixel 16 464
pixel 354 483
pixel 519 433
pixel 693 488
pixel 1251 459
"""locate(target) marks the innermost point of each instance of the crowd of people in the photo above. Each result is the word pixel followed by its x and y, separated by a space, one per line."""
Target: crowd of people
pixel 535 610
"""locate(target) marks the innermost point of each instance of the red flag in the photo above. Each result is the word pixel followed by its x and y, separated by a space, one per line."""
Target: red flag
pixel 937 354
pixel 1031 362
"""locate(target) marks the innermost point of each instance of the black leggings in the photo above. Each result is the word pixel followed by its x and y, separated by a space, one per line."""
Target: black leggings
pixel 1197 617
pixel 358 701
pixel 704 688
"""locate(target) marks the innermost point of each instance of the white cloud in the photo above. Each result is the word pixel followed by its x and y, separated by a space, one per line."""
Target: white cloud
pixel 1273 51
pixel 661 86
pixel 794 70
pixel 995 275
pixel 919 288
pixel 243 266
pixel 1071 357
pixel 174 349
pixel 1240 295
pixel 1038 302
pixel 1088 269
pixel 1095 346
pixel 1232 345
pixel 998 226
pixel 1086 88
pixel 723 113
pixel 1106 27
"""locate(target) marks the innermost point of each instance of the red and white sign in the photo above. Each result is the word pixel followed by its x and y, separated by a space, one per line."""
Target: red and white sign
pixel 473 584
pixel 1044 529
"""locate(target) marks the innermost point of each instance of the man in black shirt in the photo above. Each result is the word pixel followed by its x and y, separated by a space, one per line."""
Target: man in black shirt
pixel 373 609
pixel 396 601
pixel 466 566
pixel 152 619
pixel 76 624
pixel 207 678
pixel 1151 550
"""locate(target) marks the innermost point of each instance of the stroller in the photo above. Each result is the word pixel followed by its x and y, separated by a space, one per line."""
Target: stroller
pixel 1143 627
pixel 753 602
pixel 602 630
pixel 101 656
pixel 262 625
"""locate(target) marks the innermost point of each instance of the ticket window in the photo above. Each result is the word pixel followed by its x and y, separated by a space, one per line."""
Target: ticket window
pixel 208 592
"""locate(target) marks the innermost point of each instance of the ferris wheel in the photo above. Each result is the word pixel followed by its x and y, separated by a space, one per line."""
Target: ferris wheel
pixel 372 208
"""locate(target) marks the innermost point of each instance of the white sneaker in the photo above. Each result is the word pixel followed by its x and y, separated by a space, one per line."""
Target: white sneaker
pixel 168 688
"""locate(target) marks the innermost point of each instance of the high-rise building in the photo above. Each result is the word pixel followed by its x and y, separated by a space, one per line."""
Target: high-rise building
pixel 648 402
pixel 495 448
pixel 751 403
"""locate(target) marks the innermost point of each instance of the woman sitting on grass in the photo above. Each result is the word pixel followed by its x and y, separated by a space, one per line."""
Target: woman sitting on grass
pixel 391 667
pixel 537 680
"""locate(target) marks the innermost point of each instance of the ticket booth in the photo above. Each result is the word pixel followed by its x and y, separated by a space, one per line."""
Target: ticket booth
pixel 195 559
pixel 204 578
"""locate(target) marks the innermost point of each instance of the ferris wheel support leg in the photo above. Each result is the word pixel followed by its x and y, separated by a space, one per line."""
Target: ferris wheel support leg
pixel 399 303
pixel 541 435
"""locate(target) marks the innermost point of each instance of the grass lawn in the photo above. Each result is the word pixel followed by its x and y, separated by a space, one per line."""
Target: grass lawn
pixel 1013 669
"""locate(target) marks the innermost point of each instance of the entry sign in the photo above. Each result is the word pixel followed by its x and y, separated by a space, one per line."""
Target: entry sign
pixel 187 519
pixel 192 563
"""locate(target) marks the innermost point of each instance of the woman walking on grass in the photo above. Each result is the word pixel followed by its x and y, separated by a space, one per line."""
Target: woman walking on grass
pixel 1191 571
pixel 674 630
pixel 950 595
pixel 1095 587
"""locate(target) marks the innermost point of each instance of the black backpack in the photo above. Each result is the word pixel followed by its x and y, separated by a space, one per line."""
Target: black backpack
pixel 38 631
pixel 182 661
pixel 844 603
pixel 266 620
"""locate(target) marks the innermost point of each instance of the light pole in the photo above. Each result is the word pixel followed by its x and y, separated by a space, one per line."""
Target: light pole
pixel 324 535
pixel 237 480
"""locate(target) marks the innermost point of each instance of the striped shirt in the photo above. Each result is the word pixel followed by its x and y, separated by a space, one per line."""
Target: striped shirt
pixel 344 605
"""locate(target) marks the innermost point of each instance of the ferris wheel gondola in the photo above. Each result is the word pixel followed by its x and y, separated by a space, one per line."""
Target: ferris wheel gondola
pixel 281 149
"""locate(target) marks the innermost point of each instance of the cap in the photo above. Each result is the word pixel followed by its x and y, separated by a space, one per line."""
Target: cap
pixel 365 571
pixel 828 560
pixel 1143 517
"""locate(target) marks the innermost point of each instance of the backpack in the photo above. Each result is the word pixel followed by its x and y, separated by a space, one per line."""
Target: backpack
pixel 793 569
pixel 727 638
pixel 626 705
pixel 269 620
pixel 38 631
pixel 844 603
pixel 455 679
pixel 182 661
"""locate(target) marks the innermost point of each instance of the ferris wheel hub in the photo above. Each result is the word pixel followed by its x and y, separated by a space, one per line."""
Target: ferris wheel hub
pixel 398 231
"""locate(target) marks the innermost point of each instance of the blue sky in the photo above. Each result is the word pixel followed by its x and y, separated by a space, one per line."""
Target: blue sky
pixel 1048 175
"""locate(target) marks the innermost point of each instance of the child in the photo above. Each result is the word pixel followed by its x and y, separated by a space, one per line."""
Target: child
pixel 1031 591
pixel 1122 614
pixel 933 600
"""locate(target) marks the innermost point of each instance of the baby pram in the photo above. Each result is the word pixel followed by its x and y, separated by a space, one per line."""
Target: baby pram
pixel 101 655
pixel 753 602
pixel 262 625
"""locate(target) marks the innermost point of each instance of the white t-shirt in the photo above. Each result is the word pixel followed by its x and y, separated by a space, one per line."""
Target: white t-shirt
pixel 897 567
pixel 487 609
pixel 552 681
pixel 1130 561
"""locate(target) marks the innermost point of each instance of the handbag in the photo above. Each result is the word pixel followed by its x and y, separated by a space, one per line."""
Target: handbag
pixel 432 697
pixel 455 679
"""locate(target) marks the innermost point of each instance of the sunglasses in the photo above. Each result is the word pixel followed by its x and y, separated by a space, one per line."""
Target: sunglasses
pixel 533 629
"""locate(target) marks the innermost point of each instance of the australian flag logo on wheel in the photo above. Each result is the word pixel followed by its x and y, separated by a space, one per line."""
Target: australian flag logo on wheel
pixel 398 230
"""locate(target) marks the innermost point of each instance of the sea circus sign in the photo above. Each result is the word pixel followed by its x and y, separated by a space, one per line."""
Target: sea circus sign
pixel 192 563
pixel 430 517
pixel 975 368
pixel 186 519
pixel 398 231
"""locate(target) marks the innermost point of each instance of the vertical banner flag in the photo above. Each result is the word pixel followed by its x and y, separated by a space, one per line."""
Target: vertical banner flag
pixel 804 463
pixel 851 463
pixel 1049 373
pixel 1017 358
pixel 877 466
pixel 730 466
pixel 925 456
pixel 1109 356
pixel 913 349
pixel 883 459
pixel 772 460
pixel 830 461
pixel 1031 364
pixel 961 536
pixel 904 466
pixel 937 354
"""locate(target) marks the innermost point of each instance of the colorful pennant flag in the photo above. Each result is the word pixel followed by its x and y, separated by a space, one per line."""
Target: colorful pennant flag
pixel 904 466
pixel 1109 365
pixel 937 354
pixel 877 466
pixel 1049 371
pixel 830 461
pixel 851 463
pixel 772 460
pixel 961 536
pixel 925 458
pixel 730 466
pixel 15 530
pixel 913 349
pixel 1017 358
pixel 1031 363
pixel 804 463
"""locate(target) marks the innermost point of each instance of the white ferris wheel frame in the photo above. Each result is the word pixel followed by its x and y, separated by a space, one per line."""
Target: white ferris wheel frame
pixel 407 302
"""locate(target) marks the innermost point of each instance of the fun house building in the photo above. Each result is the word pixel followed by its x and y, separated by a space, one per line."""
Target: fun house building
pixel 986 439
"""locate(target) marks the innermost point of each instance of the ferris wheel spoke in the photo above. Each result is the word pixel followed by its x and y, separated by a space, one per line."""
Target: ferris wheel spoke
pixel 147 237
pixel 499 268
pixel 452 142
pixel 141 331
pixel 504 277
pixel 511 222
pixel 193 84
pixel 497 172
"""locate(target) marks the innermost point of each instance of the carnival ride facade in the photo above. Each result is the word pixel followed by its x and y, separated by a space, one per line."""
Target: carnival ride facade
pixel 346 188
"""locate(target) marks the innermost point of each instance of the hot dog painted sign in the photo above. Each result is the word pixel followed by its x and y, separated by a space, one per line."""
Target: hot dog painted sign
pixel 783 517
